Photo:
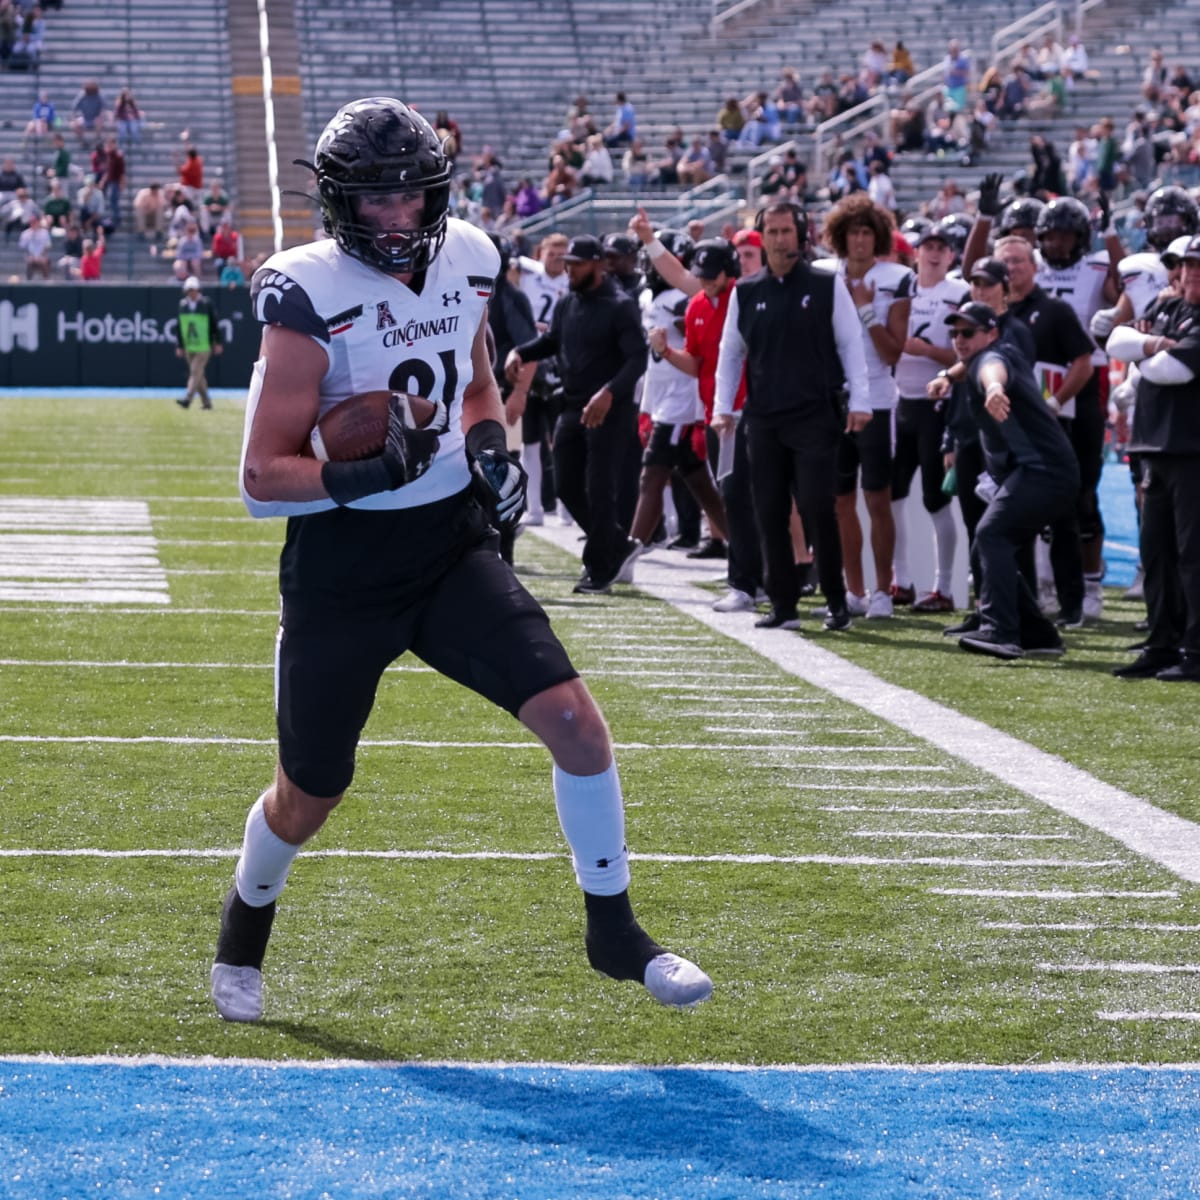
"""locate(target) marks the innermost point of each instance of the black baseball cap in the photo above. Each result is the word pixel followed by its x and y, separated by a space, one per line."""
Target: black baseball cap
pixel 935 233
pixel 584 248
pixel 976 313
pixel 989 270
pixel 712 257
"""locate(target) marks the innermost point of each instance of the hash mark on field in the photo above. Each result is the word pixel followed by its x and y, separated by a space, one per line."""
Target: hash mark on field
pixel 1148 1016
pixel 1121 968
pixel 1000 894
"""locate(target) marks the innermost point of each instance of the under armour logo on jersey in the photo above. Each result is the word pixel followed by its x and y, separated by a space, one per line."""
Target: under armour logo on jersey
pixel 449 298
pixel 383 316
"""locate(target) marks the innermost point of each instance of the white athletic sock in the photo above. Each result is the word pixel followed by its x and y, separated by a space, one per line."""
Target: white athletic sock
pixel 945 543
pixel 900 553
pixel 266 859
pixel 531 460
pixel 592 817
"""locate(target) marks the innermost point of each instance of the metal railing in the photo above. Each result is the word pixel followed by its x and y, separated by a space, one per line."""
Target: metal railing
pixel 726 10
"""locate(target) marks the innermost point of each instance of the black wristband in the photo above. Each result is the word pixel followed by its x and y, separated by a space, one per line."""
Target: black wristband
pixel 486 435
pixel 347 481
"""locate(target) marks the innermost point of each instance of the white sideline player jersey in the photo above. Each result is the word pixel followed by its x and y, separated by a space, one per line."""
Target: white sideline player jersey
pixel 1143 276
pixel 668 395
pixel 544 291
pixel 927 320
pixel 1081 285
pixel 379 334
pixel 892 282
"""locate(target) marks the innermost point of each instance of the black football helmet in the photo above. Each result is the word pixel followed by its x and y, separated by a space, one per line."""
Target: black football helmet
pixel 1170 213
pixel 379 146
pixel 955 228
pixel 1070 215
pixel 1021 213
pixel 621 245
pixel 714 255
pixel 679 244
pixel 914 228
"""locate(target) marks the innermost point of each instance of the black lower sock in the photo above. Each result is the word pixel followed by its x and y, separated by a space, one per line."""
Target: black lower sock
pixel 616 944
pixel 244 932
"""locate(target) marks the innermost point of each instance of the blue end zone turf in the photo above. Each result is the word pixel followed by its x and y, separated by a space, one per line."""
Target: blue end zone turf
pixel 545 1133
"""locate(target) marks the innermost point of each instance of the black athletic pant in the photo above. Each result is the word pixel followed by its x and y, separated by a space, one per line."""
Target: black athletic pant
pixel 1170 545
pixel 796 462
pixel 744 567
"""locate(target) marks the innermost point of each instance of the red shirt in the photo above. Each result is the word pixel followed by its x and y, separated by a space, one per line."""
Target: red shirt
pixel 89 264
pixel 191 173
pixel 702 325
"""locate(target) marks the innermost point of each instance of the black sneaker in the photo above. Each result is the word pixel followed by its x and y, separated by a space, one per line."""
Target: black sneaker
pixel 1049 645
pixel 184 402
pixel 1186 670
pixel 969 624
pixel 987 642
pixel 777 620
pixel 587 586
pixel 1148 664
pixel 838 619
pixel 713 548
pixel 1070 620
pixel 682 543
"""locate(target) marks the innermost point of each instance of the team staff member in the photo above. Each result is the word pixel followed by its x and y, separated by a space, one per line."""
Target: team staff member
pixel 796 332
pixel 1064 367
pixel 596 332
pixel 1028 455
pixel 1166 438
pixel 198 333
pixel 394 553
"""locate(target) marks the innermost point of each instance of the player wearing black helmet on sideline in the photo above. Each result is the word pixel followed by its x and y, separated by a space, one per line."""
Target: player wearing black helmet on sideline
pixel 395 553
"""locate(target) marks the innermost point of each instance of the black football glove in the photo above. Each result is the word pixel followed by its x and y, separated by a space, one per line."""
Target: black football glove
pixel 989 193
pixel 407 454
pixel 1103 218
pixel 500 480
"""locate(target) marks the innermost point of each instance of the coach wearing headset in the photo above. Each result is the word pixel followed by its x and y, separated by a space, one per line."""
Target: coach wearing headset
pixel 779 326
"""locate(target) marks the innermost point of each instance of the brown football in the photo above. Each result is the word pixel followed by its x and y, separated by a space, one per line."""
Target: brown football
pixel 357 427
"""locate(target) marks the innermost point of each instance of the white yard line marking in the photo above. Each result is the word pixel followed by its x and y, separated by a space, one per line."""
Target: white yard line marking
pixel 1089 927
pixel 765 860
pixel 924 812
pixel 1148 1016
pixel 1121 968
pixel 1004 894
pixel 1151 832
pixel 926 834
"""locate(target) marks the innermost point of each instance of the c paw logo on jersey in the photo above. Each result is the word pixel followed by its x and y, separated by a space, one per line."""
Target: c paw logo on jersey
pixel 482 285
pixel 344 320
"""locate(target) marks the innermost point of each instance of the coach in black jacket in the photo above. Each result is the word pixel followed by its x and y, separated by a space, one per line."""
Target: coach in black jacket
pixel 596 332
pixel 796 332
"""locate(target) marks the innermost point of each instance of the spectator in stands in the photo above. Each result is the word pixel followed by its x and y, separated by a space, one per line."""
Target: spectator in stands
pixel 31 37
pixel 900 67
pixel 695 167
pixel 232 275
pixel 1047 177
pixel 956 75
pixel 182 214
pixel 730 119
pixel 623 128
pixel 70 250
pixel 789 96
pixel 718 151
pixel 490 174
pixel 128 116
pixel 191 175
pixel 447 128
pixel 226 243
pixel 906 125
pixel 190 248
pixel 1013 94
pixel 61 167
pixel 845 177
pixel 1155 77
pixel 528 202
pixel 795 175
pixel 597 168
pixel 35 242
pixel 92 258
pixel 947 201
pixel 113 182
pixel 823 104
pixel 1075 57
pixel 19 213
pixel 214 207
pixel 665 170
pixel 1081 159
pixel 1050 99
pixel 560 183
pixel 580 124
pixel 150 212
pixel 98 162
pixel 1137 149
pixel 8 29
pixel 762 120
pixel 1108 154
pixel 89 111
pixel 635 165
pixel 89 203
pixel 773 184
pixel 880 187
pixel 57 205
pixel 10 180
pixel 874 64
pixel 42 118
pixel 1050 55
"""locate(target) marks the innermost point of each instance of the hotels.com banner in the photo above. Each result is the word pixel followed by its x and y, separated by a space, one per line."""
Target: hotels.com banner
pixel 114 335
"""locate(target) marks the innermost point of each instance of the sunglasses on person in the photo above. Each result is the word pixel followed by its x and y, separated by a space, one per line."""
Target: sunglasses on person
pixel 962 333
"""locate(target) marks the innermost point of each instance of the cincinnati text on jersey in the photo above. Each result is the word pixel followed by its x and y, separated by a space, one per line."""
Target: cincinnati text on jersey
pixel 413 331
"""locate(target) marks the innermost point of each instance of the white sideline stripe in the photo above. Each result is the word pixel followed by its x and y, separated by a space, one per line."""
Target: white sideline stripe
pixel 207 1062
pixel 785 860
pixel 1001 894
pixel 1148 1016
pixel 142 612
pixel 774 689
pixel 791 731
pixel 868 787
pixel 923 812
pixel 1151 832
pixel 1121 968
pixel 82 594
pixel 918 834
pixel 1090 926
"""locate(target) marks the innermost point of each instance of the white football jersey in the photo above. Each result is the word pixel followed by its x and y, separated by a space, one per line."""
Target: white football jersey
pixel 668 395
pixel 379 334
pixel 1143 276
pixel 927 320
pixel 544 291
pixel 892 282
pixel 1081 285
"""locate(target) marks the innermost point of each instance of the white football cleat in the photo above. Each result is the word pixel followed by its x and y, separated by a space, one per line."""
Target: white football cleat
pixel 879 607
pixel 735 600
pixel 237 992
pixel 675 981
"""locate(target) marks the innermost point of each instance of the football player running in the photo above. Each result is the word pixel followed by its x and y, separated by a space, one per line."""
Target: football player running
pixel 395 552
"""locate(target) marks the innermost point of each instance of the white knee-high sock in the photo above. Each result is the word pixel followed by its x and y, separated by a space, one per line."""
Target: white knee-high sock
pixel 266 859
pixel 592 816
pixel 945 543
pixel 531 460
pixel 900 553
